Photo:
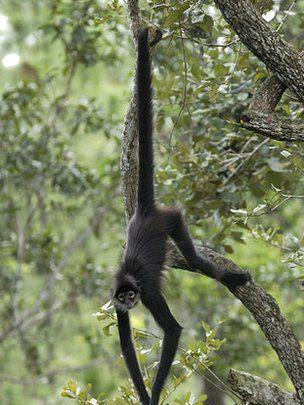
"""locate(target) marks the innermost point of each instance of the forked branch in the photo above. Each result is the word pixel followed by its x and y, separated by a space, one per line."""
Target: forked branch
pixel 282 60
pixel 263 118
pixel 265 43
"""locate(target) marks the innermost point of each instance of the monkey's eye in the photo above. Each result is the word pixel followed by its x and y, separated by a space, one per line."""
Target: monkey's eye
pixel 131 294
pixel 121 297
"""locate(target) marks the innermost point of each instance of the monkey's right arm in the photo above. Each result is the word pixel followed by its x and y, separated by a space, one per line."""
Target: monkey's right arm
pixel 129 354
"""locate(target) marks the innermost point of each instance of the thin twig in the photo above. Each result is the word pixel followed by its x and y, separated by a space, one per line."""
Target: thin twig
pixel 243 163
pixel 169 33
pixel 227 390
pixel 291 6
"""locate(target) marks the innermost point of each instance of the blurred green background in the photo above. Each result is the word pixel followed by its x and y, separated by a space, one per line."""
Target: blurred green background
pixel 66 71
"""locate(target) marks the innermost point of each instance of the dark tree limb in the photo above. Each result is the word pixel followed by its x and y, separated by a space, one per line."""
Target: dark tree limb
pixel 267 44
pixel 268 96
pixel 273 127
pixel 286 64
pixel 257 391
pixel 263 118
pixel 262 305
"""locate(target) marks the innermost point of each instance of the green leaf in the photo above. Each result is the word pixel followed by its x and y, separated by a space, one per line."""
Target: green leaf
pixel 206 326
pixel 106 329
pixel 72 386
pixel 243 61
pixel 207 23
pixel 176 15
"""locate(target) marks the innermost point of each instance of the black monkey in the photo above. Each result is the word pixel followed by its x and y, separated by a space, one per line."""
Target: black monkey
pixel 139 277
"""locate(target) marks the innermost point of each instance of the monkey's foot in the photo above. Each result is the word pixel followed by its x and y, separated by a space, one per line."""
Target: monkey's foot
pixel 234 279
pixel 154 35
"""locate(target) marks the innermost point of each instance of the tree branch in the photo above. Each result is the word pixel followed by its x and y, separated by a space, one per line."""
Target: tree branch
pixel 265 43
pixel 273 127
pixel 261 304
pixel 129 160
pixel 280 58
pixel 266 312
pixel 257 391
pixel 262 116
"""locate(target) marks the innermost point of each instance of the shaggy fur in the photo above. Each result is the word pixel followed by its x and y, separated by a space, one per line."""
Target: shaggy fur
pixel 148 232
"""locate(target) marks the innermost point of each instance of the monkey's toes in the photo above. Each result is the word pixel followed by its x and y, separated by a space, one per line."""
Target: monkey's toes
pixel 155 35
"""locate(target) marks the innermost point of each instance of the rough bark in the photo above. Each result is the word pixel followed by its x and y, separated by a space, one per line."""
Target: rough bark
pixel 256 391
pixel 263 118
pixel 280 57
pixel 261 304
pixel 129 161
pixel 273 127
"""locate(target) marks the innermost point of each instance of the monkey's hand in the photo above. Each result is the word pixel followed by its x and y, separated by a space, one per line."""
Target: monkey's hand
pixel 154 36
pixel 234 279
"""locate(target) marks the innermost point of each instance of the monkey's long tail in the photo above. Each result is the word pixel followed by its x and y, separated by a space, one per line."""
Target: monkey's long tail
pixel 145 196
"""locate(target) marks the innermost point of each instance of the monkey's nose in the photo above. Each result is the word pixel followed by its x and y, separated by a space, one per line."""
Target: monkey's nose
pixel 128 303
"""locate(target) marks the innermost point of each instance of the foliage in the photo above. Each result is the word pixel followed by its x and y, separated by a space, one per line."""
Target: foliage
pixel 62 220
pixel 197 358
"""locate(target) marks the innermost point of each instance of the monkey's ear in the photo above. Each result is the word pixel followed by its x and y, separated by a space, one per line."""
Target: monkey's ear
pixel 154 35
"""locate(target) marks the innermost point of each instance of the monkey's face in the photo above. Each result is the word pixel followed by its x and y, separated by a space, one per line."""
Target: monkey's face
pixel 126 299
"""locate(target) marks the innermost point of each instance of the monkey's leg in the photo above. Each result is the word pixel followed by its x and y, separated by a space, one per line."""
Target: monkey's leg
pixel 178 231
pixel 129 354
pixel 158 307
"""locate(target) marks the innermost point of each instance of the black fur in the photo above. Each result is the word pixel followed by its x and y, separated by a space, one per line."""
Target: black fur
pixel 145 193
pixel 145 254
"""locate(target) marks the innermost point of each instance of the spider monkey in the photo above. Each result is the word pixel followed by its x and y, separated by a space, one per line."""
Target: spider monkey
pixel 140 274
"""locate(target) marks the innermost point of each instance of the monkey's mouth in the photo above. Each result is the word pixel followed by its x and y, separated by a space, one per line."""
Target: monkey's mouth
pixel 125 306
pixel 131 304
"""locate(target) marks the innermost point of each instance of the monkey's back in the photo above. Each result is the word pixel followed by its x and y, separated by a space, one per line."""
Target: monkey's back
pixel 146 248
